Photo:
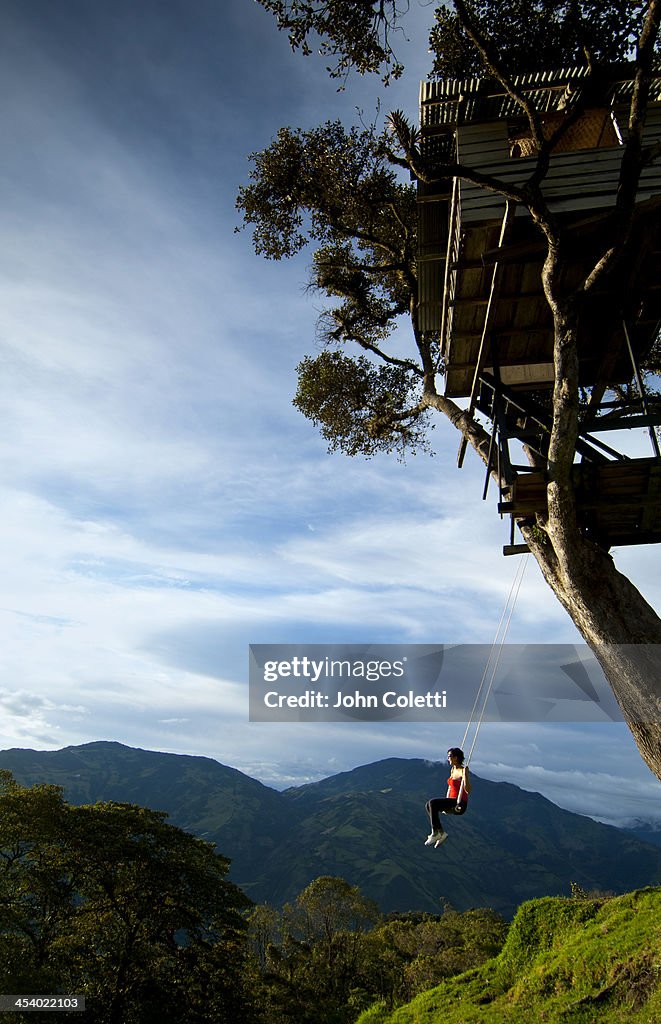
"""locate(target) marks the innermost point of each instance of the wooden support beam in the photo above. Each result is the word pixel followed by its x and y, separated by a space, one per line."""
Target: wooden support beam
pixel 516 252
pixel 650 512
pixel 467 300
pixel 616 540
pixel 499 332
pixel 586 446
pixel 623 422
pixel 467 265
pixel 537 503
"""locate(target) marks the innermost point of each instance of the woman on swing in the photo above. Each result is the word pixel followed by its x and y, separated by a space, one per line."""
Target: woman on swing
pixel 456 800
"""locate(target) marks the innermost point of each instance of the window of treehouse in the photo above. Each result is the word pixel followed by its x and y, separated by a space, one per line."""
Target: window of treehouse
pixel 594 129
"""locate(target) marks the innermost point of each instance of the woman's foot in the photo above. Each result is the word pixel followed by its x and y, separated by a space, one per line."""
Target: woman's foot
pixel 434 838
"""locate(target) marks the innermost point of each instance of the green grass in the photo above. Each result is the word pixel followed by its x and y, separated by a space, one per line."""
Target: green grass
pixel 565 961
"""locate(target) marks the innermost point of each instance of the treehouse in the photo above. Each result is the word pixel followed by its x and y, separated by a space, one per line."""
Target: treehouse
pixel 480 280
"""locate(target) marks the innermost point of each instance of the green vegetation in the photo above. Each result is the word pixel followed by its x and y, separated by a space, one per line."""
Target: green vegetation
pixel 582 960
pixel 111 902
pixel 328 956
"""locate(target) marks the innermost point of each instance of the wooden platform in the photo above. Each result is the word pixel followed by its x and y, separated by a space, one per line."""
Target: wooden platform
pixel 519 332
pixel 619 503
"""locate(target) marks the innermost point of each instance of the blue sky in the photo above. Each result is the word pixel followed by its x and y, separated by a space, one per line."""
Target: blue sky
pixel 163 505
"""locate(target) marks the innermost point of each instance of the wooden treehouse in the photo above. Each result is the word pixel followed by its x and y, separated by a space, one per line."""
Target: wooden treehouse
pixel 480 263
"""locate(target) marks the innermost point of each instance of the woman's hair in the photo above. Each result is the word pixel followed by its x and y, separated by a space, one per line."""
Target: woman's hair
pixel 458 753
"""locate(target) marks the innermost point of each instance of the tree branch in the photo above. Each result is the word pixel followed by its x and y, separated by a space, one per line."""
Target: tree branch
pixel 414 162
pixel 363 236
pixel 634 158
pixel 348 334
pixel 493 65
pixel 406 230
pixel 478 438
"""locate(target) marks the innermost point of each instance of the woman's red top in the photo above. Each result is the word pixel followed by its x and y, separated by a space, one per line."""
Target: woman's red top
pixel 453 790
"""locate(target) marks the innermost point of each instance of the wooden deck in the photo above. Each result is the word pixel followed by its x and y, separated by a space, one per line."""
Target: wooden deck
pixel 516 329
pixel 619 503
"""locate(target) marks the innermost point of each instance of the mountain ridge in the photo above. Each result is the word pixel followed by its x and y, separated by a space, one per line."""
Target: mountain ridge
pixel 366 825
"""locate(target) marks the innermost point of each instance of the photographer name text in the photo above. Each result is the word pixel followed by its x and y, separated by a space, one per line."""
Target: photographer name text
pixel 356 699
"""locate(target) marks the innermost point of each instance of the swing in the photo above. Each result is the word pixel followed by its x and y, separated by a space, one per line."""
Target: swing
pixel 493 661
pixel 436 838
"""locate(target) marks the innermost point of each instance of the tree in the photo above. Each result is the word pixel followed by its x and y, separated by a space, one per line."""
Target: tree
pixel 330 955
pixel 112 902
pixel 342 190
pixel 429 948
pixel 362 34
pixel 36 890
pixel 358 34
pixel 332 906
pixel 312 956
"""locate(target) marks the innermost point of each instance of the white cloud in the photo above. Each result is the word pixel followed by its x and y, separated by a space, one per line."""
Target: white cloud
pixel 608 797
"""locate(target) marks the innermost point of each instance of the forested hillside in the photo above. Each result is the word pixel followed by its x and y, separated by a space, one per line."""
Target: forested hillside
pixel 367 825
pixel 110 903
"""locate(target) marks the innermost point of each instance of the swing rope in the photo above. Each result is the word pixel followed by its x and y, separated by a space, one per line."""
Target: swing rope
pixel 492 661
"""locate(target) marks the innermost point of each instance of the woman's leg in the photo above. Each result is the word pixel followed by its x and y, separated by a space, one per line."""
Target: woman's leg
pixel 435 808
pixel 434 820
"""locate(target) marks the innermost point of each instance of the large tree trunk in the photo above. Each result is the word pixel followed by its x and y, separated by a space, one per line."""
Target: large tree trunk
pixel 612 616
pixel 621 628
pixel 618 624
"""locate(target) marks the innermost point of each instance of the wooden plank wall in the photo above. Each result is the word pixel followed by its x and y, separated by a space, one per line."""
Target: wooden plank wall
pixel 581 180
pixel 432 249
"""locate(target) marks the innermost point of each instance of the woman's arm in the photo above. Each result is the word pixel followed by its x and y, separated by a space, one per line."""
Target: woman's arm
pixel 467 784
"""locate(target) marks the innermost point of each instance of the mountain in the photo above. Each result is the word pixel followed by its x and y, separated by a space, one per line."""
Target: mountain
pixel 200 795
pixel 367 825
pixel 648 831
pixel 510 846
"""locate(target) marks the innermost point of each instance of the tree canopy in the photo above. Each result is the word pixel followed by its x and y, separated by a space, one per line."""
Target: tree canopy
pixel 363 35
pixel 528 35
pixel 356 35
pixel 336 187
pixel 330 954
pixel 112 902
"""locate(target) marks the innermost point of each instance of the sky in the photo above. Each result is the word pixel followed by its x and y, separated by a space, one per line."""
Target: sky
pixel 162 503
